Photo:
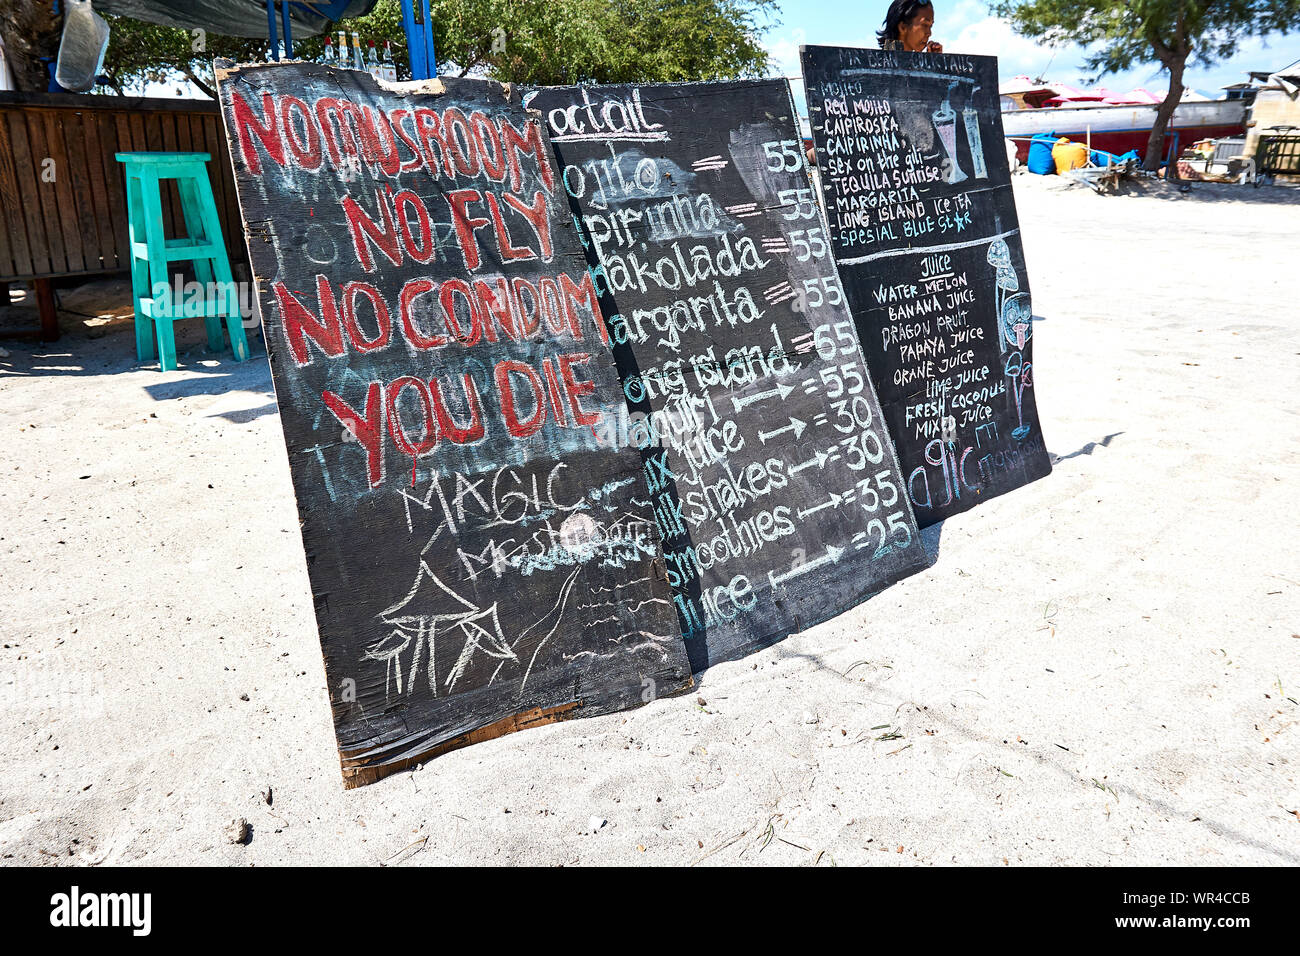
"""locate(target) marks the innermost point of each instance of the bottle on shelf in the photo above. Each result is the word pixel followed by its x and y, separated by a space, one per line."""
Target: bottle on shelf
pixel 328 56
pixel 389 68
pixel 358 62
pixel 372 60
pixel 342 52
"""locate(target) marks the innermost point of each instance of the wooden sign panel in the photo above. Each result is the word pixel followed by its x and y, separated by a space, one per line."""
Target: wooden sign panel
pixel 923 225
pixel 777 493
pixel 479 560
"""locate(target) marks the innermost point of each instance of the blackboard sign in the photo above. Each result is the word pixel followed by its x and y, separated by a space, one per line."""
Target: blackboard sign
pixel 479 560
pixel 777 493
pixel 923 225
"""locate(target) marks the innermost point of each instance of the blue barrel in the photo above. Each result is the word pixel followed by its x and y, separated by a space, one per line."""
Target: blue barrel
pixel 1040 154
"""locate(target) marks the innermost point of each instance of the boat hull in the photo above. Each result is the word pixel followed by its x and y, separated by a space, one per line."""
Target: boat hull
pixel 1117 129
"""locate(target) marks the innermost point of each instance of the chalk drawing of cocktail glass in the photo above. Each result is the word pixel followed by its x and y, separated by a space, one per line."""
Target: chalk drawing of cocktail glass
pixel 945 122
pixel 971 118
pixel 1018 371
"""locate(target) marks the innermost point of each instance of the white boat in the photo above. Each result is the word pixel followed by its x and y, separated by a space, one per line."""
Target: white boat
pixel 1119 128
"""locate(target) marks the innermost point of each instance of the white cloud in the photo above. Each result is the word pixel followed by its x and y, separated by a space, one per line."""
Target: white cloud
pixel 784 51
pixel 950 21
pixel 993 36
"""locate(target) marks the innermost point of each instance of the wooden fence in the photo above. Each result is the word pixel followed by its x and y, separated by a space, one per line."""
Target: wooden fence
pixel 63 194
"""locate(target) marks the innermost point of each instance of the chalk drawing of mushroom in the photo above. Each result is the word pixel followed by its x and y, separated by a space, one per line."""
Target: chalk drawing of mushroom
pixel 389 651
pixel 419 620
pixel 1013 308
pixel 421 615
pixel 1016 320
pixel 489 639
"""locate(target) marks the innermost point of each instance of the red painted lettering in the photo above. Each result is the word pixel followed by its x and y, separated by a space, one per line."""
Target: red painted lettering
pixel 305 154
pixel 266 130
pixel 508 251
pixel 393 393
pixel 460 434
pixel 583 293
pixel 488 142
pixel 538 217
pixel 460 148
pixel 368 428
pixel 509 409
pixel 450 289
pixel 577 389
pixel 495 305
pixel 465 224
pixel 300 325
pixel 517 144
pixel 351 291
pixel 410 292
pixel 365 231
pixel 403 203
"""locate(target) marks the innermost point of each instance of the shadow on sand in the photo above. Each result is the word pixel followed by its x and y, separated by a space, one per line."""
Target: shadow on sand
pixel 1089 448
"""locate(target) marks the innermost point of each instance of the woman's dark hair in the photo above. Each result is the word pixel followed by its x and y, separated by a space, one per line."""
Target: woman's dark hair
pixel 899 12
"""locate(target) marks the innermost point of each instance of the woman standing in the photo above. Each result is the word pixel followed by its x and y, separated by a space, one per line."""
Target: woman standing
pixel 907 27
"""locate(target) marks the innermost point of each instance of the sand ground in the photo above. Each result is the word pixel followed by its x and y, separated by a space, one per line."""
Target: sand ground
pixel 1101 668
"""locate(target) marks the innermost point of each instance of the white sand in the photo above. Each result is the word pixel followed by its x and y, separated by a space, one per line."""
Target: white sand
pixel 1101 668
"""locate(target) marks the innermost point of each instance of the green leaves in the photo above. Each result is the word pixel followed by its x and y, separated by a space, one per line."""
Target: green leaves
pixel 607 41
pixel 536 42
pixel 1124 33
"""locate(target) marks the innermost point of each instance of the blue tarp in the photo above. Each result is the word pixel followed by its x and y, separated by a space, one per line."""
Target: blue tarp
pixel 1100 157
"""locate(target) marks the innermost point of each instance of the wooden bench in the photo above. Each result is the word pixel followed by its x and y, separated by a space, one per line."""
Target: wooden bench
pixel 63 195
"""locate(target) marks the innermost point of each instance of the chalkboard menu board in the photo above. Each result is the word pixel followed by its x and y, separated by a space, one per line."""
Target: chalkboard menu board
pixel 777 493
pixel 479 560
pixel 923 225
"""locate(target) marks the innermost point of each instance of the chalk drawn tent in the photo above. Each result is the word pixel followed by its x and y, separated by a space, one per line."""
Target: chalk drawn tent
pixel 778 495
pixel 479 561
pixel 923 224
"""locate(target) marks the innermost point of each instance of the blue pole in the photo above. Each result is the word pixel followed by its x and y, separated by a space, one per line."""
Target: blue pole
pixel 414 54
pixel 288 31
pixel 271 31
pixel 431 62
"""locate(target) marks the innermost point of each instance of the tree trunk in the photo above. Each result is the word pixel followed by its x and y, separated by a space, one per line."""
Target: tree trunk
pixel 1156 142
pixel 1173 56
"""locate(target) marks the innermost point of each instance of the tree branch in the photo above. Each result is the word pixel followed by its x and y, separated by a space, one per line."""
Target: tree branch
pixel 474 61
pixel 190 75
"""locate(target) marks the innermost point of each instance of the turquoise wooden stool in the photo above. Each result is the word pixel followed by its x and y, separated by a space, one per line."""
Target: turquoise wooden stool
pixel 152 254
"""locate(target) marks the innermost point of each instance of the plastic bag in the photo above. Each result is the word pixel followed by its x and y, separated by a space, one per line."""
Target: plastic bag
pixel 1040 154
pixel 81 52
pixel 1068 155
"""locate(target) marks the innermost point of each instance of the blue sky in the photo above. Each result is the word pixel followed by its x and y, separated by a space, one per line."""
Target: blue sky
pixel 965 26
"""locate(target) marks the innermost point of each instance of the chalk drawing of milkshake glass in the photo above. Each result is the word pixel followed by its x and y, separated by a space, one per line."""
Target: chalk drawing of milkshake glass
pixel 971 119
pixel 945 123
pixel 1015 320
